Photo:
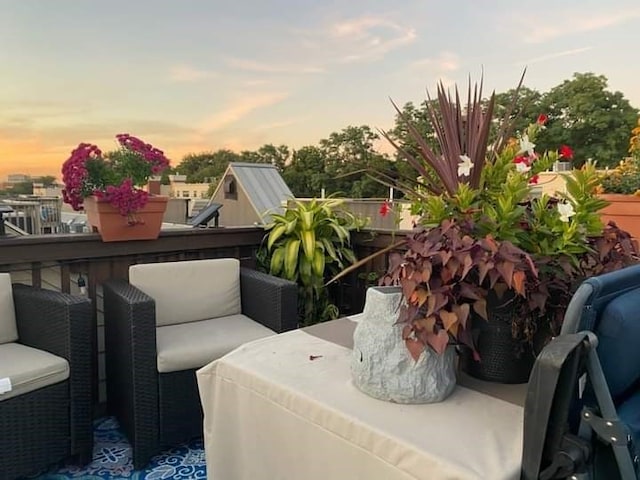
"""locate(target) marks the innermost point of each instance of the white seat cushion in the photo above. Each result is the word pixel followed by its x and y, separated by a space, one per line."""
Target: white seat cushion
pixel 29 369
pixel 190 291
pixel 8 329
pixel 195 344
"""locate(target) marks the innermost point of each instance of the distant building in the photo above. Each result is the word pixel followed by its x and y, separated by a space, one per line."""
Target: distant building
pixel 248 192
pixel 40 190
pixel 18 178
pixel 179 188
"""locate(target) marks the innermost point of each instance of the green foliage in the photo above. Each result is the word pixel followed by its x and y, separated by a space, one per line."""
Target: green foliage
pixel 594 120
pixel 624 179
pixel 307 244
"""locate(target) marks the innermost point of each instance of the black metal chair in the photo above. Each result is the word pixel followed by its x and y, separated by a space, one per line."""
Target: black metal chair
pixel 171 319
pixel 45 407
pixel 582 412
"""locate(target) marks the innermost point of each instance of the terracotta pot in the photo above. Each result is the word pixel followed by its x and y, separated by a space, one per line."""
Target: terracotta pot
pixel 113 227
pixel 624 210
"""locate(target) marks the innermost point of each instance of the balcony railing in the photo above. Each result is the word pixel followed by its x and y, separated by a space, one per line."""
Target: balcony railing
pixel 65 262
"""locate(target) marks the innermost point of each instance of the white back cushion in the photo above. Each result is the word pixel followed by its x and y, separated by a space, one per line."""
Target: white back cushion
pixel 190 291
pixel 8 328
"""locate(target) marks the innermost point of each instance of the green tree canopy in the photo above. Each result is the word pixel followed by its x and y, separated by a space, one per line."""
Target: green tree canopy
pixel 592 120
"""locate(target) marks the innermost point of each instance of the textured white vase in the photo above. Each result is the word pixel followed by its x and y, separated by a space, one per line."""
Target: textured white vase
pixel 381 365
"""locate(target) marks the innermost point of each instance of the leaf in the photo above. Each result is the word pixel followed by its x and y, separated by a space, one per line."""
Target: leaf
pixel 438 341
pixel 415 347
pixel 480 307
pixel 308 238
pixel 408 287
pixel 468 265
pixel 519 278
pixel 431 304
pixel 427 269
pixel 506 271
pixel 318 263
pixel 419 296
pixel 462 311
pixel 426 324
pixel 449 320
pixel 291 258
pixel 275 234
pixel 277 261
pixel 307 219
pixel 500 289
pixel 483 269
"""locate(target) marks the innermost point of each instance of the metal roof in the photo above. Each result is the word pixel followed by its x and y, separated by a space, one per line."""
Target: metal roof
pixel 264 186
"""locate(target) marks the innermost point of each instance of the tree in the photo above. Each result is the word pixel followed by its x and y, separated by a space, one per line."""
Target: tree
pixel 418 117
pixel 305 175
pixel 278 156
pixel 526 109
pixel 22 188
pixel 349 153
pixel 206 166
pixel 46 181
pixel 592 120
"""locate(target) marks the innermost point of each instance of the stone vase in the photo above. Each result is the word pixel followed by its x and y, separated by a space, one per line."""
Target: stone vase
pixel 381 365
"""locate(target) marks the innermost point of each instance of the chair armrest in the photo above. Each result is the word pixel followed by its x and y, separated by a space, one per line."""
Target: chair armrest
pixel 269 300
pixel 551 394
pixel 63 324
pixel 132 374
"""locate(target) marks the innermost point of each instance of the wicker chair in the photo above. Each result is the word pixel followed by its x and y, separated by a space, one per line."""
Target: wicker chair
pixel 171 319
pixel 45 377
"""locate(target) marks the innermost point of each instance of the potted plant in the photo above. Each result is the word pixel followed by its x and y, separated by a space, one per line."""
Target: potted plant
pixel 107 187
pixel 620 187
pixel 490 268
pixel 307 244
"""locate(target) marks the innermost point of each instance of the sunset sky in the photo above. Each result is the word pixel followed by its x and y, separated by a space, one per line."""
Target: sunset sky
pixel 195 75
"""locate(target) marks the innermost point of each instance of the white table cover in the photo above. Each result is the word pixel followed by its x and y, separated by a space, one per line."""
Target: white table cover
pixel 272 413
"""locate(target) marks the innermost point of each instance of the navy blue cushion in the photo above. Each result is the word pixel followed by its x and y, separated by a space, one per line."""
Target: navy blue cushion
pixel 619 341
pixel 629 413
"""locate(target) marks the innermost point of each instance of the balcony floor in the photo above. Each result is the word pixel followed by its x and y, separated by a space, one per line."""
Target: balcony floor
pixel 112 459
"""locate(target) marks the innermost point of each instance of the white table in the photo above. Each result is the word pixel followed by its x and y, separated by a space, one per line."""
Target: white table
pixel 273 413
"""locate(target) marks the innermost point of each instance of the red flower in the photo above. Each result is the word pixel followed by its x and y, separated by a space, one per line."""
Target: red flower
pixel 565 152
pixel 534 180
pixel 522 159
pixel 385 208
pixel 542 119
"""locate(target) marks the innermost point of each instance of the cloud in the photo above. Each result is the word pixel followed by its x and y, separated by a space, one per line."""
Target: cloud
pixel 240 109
pixel 187 74
pixel 551 56
pixel 542 28
pixel 369 38
pixel 261 67
pixel 444 62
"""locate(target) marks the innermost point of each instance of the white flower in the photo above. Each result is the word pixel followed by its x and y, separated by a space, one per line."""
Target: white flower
pixel 566 211
pixel 465 166
pixel 522 167
pixel 526 145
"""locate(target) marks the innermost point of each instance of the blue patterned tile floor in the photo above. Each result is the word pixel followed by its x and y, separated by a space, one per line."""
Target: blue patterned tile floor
pixel 112 460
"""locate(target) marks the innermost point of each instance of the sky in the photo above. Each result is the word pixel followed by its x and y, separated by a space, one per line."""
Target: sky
pixel 199 75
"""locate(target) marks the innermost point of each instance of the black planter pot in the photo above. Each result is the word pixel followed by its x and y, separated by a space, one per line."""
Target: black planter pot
pixel 502 358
